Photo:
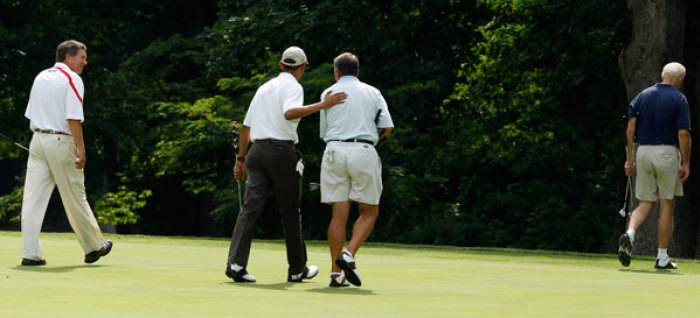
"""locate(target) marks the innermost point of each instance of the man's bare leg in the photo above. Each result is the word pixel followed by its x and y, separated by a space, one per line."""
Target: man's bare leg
pixel 363 226
pixel 336 231
pixel 665 222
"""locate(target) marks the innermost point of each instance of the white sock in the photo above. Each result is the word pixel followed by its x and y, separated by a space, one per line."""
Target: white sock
pixel 236 267
pixel 662 255
pixel 631 233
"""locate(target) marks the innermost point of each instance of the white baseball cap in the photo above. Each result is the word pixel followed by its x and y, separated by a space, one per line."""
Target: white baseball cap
pixel 293 56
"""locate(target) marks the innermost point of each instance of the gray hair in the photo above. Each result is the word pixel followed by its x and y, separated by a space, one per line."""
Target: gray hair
pixel 69 47
pixel 674 69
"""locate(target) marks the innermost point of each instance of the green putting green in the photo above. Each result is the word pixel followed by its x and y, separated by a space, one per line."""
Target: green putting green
pixel 148 276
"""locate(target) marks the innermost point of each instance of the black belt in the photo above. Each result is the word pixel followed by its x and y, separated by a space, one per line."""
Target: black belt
pixel 355 140
pixel 52 132
pixel 273 141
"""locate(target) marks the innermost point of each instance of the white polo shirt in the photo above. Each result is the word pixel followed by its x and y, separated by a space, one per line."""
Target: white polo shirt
pixel 265 115
pixel 53 101
pixel 354 118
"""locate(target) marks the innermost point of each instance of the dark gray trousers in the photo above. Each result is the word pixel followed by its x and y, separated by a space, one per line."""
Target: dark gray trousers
pixel 271 165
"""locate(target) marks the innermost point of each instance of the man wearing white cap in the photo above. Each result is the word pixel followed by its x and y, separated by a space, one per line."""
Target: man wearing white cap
pixel 57 156
pixel 274 163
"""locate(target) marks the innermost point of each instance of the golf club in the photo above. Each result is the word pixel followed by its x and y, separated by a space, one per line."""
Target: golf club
pixel 623 211
pixel 234 132
pixel 14 142
pixel 628 188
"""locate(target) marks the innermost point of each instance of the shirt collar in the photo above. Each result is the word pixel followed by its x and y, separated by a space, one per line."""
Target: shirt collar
pixel 61 65
pixel 283 74
pixel 664 85
pixel 347 78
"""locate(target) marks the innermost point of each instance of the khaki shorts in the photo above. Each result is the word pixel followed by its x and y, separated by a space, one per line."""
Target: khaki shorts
pixel 351 171
pixel 658 173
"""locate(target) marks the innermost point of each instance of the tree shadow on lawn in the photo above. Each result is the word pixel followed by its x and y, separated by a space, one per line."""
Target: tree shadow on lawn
pixel 50 269
pixel 646 271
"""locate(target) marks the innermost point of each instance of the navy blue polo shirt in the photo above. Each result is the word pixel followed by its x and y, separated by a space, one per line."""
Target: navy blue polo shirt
pixel 661 111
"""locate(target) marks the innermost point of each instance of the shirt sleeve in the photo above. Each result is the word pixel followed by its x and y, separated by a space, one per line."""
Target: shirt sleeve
pixel 74 106
pixel 323 125
pixel 293 97
pixel 248 120
pixel 683 118
pixel 30 105
pixel 384 120
pixel 632 111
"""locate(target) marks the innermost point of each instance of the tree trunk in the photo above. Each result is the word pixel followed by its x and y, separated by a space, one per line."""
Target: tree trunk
pixel 658 35
pixel 692 86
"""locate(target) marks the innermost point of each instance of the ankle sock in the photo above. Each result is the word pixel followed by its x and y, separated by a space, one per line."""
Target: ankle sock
pixel 662 255
pixel 631 233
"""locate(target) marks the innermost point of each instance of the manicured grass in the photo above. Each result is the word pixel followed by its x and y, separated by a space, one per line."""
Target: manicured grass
pixel 184 277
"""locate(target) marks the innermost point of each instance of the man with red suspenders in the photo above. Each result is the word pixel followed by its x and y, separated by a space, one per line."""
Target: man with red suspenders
pixel 57 156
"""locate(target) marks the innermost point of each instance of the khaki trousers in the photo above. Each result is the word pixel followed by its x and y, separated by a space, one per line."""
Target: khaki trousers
pixel 52 163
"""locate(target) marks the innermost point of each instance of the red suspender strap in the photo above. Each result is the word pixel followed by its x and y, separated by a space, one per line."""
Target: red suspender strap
pixel 70 81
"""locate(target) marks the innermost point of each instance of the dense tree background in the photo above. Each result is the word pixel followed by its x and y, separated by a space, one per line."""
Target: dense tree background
pixel 509 114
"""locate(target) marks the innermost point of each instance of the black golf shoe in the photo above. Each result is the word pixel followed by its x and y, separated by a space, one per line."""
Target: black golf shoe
pixel 668 265
pixel 94 256
pixel 347 264
pixel 308 273
pixel 624 251
pixel 33 262
pixel 239 276
pixel 338 280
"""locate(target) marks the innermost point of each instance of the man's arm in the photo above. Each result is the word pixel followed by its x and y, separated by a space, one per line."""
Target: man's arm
pixel 239 167
pixel 76 129
pixel 631 130
pixel 303 111
pixel 684 145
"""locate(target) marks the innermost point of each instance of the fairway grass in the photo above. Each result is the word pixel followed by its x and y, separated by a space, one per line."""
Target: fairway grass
pixel 147 276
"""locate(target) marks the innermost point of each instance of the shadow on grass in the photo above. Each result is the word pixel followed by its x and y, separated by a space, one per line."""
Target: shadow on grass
pixel 275 286
pixel 645 271
pixel 286 285
pixel 51 269
pixel 343 291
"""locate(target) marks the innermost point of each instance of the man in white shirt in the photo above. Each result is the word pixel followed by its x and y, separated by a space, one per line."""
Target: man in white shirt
pixel 351 169
pixel 274 163
pixel 57 156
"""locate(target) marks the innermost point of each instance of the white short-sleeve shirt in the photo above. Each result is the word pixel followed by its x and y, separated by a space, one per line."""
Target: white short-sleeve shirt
pixel 265 116
pixel 356 117
pixel 53 100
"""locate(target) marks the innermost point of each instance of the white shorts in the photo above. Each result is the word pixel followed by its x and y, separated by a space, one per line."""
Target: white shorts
pixel 658 173
pixel 351 171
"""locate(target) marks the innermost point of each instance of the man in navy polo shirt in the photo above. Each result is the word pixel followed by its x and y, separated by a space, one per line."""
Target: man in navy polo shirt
pixel 659 122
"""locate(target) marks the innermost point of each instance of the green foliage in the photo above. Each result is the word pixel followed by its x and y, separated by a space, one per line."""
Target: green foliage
pixel 532 111
pixel 120 207
pixel 11 203
pixel 502 110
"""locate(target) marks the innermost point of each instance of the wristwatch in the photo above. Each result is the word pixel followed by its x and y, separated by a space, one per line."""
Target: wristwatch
pixel 241 159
